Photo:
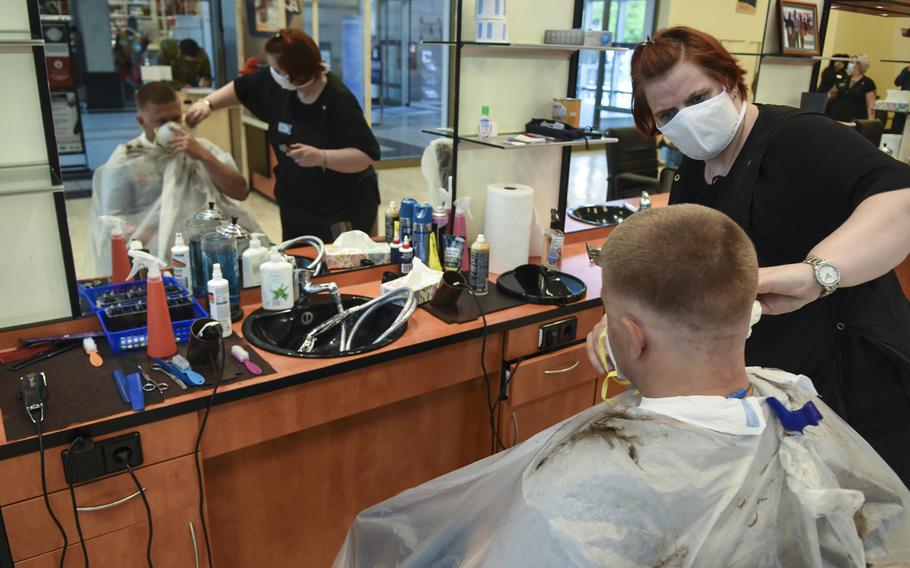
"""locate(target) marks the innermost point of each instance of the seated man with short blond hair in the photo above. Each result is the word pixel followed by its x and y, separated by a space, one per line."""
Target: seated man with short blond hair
pixel 705 462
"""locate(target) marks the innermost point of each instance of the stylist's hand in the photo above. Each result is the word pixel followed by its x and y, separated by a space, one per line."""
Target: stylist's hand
pixel 199 111
pixel 186 143
pixel 593 339
pixel 305 156
pixel 786 288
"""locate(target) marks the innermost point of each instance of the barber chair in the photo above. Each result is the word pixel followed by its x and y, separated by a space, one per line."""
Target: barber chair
pixel 632 165
pixel 870 129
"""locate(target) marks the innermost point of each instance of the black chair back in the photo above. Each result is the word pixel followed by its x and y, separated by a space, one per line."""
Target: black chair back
pixel 870 129
pixel 633 157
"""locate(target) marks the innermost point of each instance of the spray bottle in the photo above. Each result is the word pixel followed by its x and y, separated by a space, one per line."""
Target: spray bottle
pixel 180 261
pixel 120 261
pixel 480 266
pixel 161 343
pixel 460 227
pixel 220 300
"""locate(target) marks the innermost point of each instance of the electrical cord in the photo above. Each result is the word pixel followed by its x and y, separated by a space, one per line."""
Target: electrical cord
pixel 123 457
pixel 205 418
pixel 496 442
pixel 68 464
pixel 47 502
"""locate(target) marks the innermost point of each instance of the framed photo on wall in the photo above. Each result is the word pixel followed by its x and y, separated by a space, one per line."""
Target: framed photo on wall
pixel 798 28
pixel 266 16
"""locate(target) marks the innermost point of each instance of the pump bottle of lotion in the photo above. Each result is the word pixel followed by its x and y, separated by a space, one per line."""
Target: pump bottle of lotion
pixel 277 282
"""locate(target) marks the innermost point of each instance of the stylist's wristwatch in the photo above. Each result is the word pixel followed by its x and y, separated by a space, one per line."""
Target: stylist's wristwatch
pixel 826 274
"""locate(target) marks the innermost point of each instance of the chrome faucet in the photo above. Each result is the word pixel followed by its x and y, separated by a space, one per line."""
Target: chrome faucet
pixel 306 288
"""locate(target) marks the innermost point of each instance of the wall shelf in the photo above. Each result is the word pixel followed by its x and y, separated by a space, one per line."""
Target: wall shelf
pixel 526 49
pixel 501 141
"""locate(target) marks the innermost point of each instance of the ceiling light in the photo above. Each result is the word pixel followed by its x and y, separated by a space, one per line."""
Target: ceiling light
pixel 879 8
pixel 884 14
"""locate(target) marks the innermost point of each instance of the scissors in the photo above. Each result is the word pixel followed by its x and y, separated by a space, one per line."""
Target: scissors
pixel 150 383
pixel 173 377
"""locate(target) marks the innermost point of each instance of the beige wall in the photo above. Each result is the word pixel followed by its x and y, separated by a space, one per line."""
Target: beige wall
pixel 876 36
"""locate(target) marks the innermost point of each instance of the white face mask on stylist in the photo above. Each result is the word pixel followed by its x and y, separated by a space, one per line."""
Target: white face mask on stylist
pixel 704 130
pixel 285 83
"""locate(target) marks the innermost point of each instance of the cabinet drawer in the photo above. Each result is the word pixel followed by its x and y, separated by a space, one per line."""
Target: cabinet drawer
pixel 161 441
pixel 548 374
pixel 172 545
pixel 170 485
pixel 522 341
pixel 522 422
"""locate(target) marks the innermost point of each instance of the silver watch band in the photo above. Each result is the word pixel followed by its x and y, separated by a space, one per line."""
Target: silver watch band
pixel 816 262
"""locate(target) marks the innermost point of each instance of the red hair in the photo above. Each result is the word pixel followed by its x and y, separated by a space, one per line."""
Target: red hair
pixel 296 53
pixel 652 59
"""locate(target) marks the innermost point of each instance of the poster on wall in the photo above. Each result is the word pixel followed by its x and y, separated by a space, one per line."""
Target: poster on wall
pixel 798 28
pixel 67 128
pixel 745 6
pixel 266 16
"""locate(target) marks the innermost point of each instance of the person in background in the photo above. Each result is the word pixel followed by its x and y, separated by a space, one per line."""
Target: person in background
pixel 190 66
pixel 706 463
pixel 903 81
pixel 834 73
pixel 155 188
pixel 828 212
pixel 853 97
pixel 324 146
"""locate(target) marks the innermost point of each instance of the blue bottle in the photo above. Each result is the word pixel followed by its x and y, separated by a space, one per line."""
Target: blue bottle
pixel 406 217
pixel 423 227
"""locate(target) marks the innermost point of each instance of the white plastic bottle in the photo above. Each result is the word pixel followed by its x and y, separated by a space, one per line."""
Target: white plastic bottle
pixel 277 277
pixel 220 300
pixel 485 128
pixel 180 262
pixel 252 259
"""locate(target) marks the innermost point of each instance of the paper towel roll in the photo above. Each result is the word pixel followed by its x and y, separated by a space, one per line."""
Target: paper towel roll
pixel 490 9
pixel 492 31
pixel 509 215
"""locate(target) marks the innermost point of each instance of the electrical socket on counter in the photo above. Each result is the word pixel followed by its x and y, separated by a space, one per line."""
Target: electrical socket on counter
pixel 91 460
pixel 557 333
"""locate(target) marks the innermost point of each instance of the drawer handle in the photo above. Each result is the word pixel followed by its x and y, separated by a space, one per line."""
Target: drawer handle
pixel 195 546
pixel 560 371
pixel 109 505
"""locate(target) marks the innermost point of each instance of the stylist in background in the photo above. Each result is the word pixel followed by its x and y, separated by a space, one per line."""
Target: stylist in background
pixel 902 81
pixel 853 97
pixel 828 213
pixel 835 72
pixel 325 148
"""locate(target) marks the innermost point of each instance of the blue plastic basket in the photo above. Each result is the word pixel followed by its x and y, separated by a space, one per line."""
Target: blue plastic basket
pixel 137 338
pixel 91 295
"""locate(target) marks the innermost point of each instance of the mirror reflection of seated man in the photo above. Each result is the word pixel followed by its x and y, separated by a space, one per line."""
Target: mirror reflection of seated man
pixel 706 463
pixel 190 66
pixel 154 188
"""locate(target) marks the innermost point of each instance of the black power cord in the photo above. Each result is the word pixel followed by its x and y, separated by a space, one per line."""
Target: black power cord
pixel 495 442
pixel 123 458
pixel 47 502
pixel 205 419
pixel 71 474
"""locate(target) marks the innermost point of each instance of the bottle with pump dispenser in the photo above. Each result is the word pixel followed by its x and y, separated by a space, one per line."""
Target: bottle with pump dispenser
pixel 277 277
pixel 220 300
pixel 391 217
pixel 253 257
pixel 480 266
pixel 120 260
pixel 161 342
pixel 460 228
pixel 407 256
pixel 180 262
pixel 554 240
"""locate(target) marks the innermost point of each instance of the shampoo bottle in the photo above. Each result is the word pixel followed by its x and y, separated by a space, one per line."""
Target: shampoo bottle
pixel 253 258
pixel 120 260
pixel 485 127
pixel 277 277
pixel 480 266
pixel 161 342
pixel 180 262
pixel 553 243
pixel 460 228
pixel 220 300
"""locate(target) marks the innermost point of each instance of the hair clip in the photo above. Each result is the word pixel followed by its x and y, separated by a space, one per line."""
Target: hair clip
pixel 647 41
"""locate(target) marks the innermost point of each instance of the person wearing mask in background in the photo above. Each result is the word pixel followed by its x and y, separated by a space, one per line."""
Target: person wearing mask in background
pixel 155 188
pixel 700 466
pixel 832 74
pixel 853 97
pixel 829 215
pixel 190 66
pixel 325 148
pixel 903 82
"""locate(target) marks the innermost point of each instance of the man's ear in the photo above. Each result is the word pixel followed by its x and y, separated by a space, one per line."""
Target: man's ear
pixel 635 343
pixel 140 121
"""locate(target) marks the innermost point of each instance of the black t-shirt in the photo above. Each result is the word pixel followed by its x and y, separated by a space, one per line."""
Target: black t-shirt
pixel 311 200
pixel 849 103
pixel 798 177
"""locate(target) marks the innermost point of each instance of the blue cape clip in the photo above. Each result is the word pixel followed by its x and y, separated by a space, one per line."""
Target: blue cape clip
pixel 795 420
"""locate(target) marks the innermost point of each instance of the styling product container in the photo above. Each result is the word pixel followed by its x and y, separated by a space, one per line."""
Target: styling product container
pixel 205 221
pixel 219 249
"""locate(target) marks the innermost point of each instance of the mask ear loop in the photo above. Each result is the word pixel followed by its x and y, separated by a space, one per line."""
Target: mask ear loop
pixel 612 375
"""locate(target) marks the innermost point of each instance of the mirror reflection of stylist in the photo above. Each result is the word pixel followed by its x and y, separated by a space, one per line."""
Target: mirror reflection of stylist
pixel 325 148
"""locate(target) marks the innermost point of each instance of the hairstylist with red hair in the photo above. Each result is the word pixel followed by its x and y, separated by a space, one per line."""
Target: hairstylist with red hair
pixel 828 213
pixel 325 148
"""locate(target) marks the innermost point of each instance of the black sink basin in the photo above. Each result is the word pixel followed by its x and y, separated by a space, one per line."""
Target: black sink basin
pixel 283 331
pixel 601 215
pixel 540 285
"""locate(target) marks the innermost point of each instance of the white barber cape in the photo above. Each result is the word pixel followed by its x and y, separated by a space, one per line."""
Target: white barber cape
pixel 154 192
pixel 683 481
